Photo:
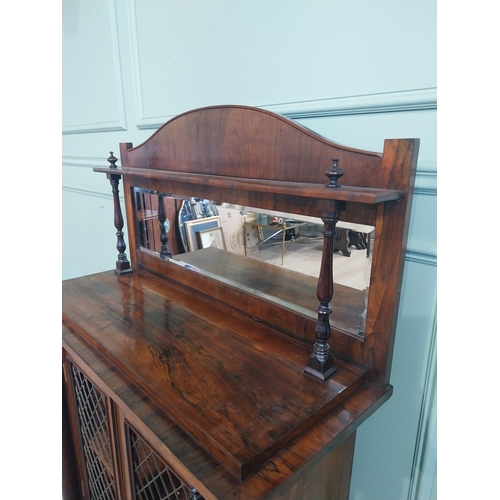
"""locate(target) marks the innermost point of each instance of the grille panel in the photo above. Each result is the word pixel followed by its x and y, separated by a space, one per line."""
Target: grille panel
pixel 152 478
pixel 95 437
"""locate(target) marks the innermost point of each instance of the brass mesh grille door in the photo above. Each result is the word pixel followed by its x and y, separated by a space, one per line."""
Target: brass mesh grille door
pixel 152 478
pixel 92 414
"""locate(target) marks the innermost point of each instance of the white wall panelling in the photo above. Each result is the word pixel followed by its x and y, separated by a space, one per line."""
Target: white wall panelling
pixel 383 102
pixel 89 235
pixel 92 99
pixel 424 473
pixel 387 443
pixel 354 72
pixel 78 174
pixel 278 52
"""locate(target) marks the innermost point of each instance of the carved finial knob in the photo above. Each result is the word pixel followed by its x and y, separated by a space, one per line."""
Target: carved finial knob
pixel 334 173
pixel 194 495
pixel 112 160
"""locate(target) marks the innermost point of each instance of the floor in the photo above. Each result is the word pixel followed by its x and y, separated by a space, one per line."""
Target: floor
pixel 303 255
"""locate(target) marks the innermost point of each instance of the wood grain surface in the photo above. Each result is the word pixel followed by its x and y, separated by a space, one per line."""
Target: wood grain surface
pixel 311 451
pixel 235 385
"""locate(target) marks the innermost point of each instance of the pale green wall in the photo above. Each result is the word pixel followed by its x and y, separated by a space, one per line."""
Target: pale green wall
pixel 357 72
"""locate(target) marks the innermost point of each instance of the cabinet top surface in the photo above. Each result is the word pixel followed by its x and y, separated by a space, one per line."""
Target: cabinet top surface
pixel 235 385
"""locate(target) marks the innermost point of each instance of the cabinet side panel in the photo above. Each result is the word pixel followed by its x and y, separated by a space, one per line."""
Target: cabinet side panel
pixel 329 479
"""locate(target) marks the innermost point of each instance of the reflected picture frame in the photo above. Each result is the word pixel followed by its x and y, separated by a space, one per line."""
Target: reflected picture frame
pixel 194 226
pixel 212 238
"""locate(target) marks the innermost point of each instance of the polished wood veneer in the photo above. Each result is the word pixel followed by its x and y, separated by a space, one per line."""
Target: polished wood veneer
pixel 360 195
pixel 236 393
pixel 235 386
pixel 280 477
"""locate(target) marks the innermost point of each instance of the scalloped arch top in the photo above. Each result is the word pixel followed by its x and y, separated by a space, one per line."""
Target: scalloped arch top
pixel 247 142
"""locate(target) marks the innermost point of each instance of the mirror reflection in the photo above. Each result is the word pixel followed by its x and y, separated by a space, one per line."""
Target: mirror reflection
pixel 213 238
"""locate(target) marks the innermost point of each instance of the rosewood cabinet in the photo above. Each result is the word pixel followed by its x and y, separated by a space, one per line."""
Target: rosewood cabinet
pixel 208 374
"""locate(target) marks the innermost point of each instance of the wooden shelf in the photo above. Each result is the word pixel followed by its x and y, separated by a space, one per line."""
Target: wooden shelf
pixel 369 196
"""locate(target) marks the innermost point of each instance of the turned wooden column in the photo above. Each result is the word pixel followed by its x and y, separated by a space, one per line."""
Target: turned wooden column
pixel 320 363
pixel 122 264
pixel 162 217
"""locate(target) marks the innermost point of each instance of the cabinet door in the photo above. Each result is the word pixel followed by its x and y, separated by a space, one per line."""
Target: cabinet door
pixel 115 462
pixel 150 476
pixel 91 410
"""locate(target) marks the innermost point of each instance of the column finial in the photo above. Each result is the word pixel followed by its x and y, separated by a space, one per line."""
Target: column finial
pixel 334 173
pixel 112 159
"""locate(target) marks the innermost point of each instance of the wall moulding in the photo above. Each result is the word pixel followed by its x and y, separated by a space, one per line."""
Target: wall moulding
pixel 91 193
pixel 426 178
pixel 84 161
pixel 119 122
pixel 421 253
pixel 424 468
pixel 86 128
pixel 383 102
pixel 73 182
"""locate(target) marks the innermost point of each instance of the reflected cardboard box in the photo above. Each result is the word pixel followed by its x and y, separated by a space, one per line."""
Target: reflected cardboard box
pixel 232 223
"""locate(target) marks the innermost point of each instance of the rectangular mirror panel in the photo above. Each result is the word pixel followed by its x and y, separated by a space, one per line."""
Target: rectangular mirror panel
pixel 286 250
